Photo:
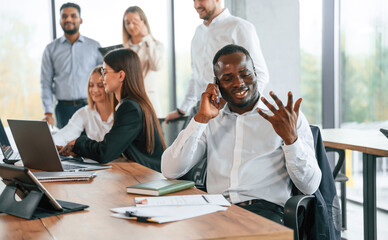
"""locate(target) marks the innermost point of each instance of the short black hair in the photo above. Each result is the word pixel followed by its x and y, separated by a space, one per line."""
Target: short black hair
pixel 73 5
pixel 229 49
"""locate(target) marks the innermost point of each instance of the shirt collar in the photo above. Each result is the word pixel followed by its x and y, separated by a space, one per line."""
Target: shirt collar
pixel 224 14
pixel 118 105
pixel 226 110
pixel 80 38
pixel 138 44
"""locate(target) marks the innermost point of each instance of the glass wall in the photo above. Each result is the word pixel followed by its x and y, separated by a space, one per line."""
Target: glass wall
pixel 311 55
pixel 23 37
pixel 364 85
pixel 102 21
pixel 364 65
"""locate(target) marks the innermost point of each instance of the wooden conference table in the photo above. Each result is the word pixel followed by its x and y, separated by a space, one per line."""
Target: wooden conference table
pixel 107 191
pixel 372 144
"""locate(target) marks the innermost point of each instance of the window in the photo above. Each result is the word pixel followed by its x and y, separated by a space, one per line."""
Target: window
pixel 364 86
pixel 364 62
pixel 23 37
pixel 102 21
pixel 311 55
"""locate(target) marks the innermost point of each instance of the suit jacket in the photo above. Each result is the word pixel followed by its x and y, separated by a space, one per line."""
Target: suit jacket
pixel 126 136
pixel 327 218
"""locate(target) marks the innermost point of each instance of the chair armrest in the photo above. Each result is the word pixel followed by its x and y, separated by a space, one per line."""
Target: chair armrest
pixel 293 207
pixel 341 160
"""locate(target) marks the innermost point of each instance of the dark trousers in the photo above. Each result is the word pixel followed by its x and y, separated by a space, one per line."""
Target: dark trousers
pixel 265 209
pixel 65 110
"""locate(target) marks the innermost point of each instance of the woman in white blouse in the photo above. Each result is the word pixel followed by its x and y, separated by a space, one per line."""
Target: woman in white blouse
pixel 95 119
pixel 137 36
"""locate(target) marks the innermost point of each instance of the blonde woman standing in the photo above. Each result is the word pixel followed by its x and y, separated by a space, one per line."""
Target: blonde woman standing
pixel 137 36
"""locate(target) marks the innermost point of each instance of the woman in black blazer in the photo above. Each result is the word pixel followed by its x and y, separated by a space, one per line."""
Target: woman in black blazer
pixel 136 132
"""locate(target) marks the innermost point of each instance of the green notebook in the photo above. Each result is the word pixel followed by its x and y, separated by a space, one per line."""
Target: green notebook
pixel 160 187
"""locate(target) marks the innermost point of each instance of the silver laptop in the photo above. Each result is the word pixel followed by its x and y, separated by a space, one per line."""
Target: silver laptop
pixel 10 156
pixel 38 151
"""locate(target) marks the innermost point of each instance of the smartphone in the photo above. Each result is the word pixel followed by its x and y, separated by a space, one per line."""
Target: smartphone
pixel 219 92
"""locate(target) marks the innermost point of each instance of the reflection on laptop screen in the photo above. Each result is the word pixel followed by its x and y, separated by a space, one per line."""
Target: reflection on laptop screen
pixel 5 145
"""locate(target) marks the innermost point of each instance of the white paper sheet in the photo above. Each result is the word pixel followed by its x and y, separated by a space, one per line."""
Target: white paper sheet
pixel 182 200
pixel 167 213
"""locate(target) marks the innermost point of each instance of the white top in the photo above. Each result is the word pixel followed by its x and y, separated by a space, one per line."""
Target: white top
pixel 246 159
pixel 223 30
pixel 84 119
pixel 150 53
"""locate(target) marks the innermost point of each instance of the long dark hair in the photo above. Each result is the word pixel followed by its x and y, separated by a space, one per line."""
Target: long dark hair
pixel 133 88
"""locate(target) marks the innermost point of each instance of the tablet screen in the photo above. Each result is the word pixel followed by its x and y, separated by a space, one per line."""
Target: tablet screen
pixel 25 182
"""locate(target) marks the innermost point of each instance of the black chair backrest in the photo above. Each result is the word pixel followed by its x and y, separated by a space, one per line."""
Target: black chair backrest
pixel 341 159
pixel 172 129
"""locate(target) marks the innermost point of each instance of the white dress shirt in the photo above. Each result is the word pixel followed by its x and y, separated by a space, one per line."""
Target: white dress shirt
pixel 246 159
pixel 84 119
pixel 223 30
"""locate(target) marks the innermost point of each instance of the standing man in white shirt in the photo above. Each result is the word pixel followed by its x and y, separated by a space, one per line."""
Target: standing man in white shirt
pixel 251 159
pixel 219 28
pixel 66 64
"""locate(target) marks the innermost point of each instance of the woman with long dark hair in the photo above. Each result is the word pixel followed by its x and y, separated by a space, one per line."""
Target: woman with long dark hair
pixel 136 132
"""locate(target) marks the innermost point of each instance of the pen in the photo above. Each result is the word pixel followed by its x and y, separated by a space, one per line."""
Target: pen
pixel 138 218
pixel 205 198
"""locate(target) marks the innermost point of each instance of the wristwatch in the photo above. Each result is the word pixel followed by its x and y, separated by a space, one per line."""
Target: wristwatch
pixel 180 112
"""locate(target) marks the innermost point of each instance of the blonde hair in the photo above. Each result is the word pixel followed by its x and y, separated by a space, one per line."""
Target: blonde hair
pixel 109 97
pixel 138 10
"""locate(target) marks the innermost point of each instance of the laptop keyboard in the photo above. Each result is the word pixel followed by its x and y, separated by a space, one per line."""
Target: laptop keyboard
pixel 14 156
pixel 71 167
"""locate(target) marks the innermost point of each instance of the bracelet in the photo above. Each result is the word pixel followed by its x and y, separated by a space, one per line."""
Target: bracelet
pixel 180 112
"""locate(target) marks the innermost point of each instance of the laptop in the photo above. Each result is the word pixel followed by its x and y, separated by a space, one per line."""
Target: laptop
pixel 384 131
pixel 105 50
pixel 10 156
pixel 38 151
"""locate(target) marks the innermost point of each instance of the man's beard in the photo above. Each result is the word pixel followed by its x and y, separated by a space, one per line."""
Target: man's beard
pixel 229 99
pixel 209 15
pixel 70 32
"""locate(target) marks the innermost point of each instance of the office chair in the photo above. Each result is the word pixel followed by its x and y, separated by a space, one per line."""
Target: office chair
pixel 340 177
pixel 315 216
pixel 172 129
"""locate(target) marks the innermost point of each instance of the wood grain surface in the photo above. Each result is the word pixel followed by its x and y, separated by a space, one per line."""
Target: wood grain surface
pixel 108 191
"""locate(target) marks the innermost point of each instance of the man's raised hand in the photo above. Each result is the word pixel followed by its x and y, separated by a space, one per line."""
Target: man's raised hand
pixel 284 119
